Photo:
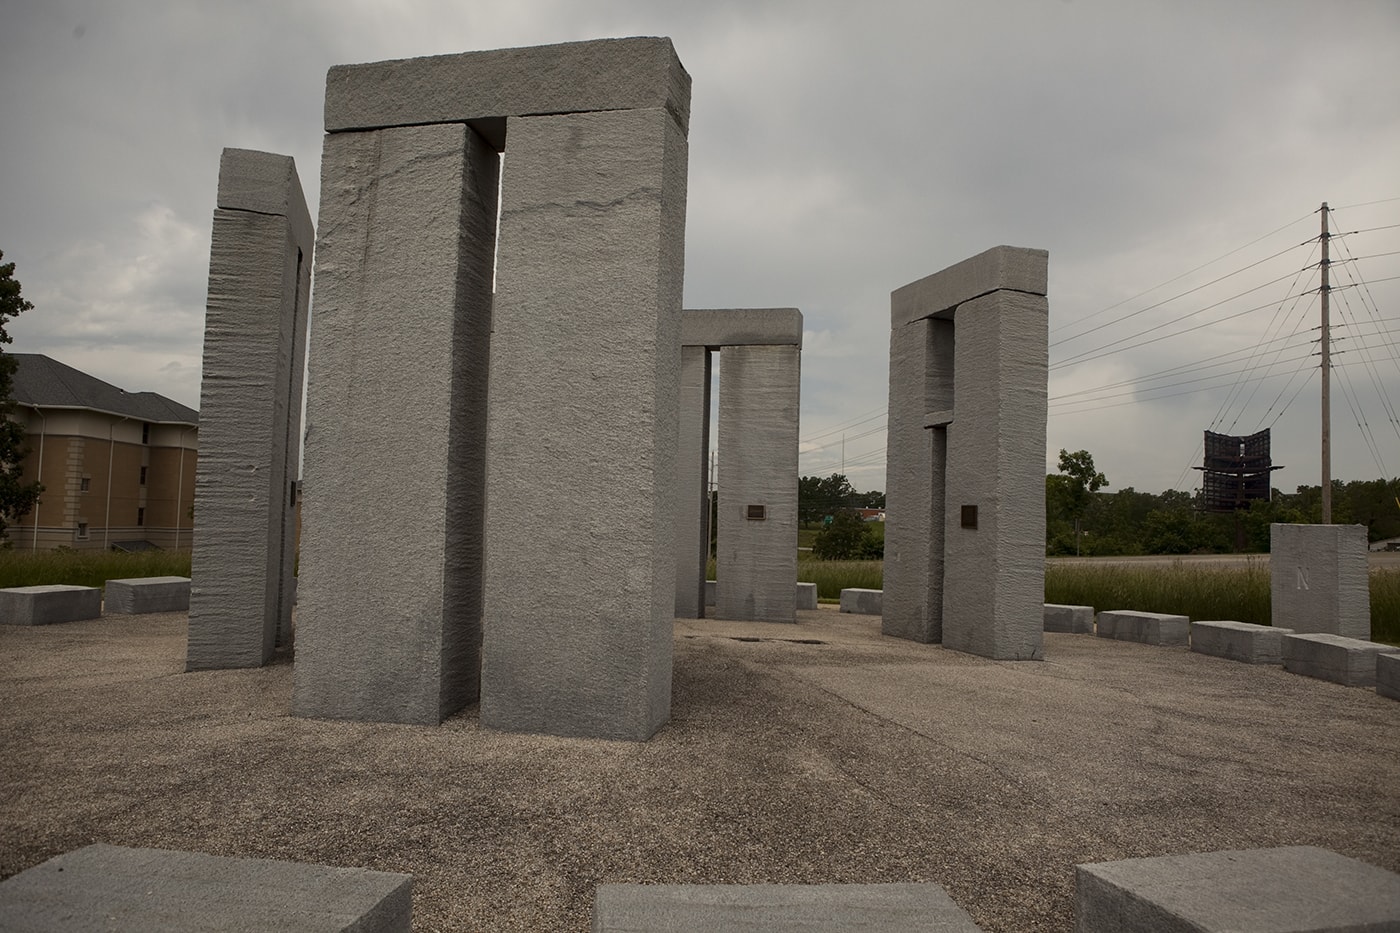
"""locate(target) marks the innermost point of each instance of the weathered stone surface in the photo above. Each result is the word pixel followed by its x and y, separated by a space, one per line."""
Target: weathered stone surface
pixel 112 888
pixel 1320 580
pixel 741 327
pixel 250 413
pixel 50 603
pixel 1150 628
pixel 1347 661
pixel 147 594
pixel 1388 675
pixel 779 908
pixel 1239 641
pixel 863 601
pixel 389 614
pixel 710 586
pixel 483 87
pixel 921 378
pixel 964 538
pixel 756 561
pixel 806 596
pixel 580 590
pixel 1001 267
pixel 1297 889
pixel 994 574
pixel 1076 619
pixel 692 483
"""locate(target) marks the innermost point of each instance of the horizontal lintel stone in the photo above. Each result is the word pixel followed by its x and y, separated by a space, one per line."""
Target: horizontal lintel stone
pixel 1011 268
pixel 741 327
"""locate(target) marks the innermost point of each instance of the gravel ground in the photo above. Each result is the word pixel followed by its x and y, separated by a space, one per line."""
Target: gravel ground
pixel 819 752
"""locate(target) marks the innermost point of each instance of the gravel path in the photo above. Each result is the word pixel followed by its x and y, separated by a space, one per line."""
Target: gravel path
pixel 853 759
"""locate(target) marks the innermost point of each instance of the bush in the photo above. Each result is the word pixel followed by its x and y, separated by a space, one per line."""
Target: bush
pixel 848 537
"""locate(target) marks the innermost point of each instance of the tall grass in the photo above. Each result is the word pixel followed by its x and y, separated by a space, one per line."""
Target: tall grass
pixel 833 576
pixel 87 568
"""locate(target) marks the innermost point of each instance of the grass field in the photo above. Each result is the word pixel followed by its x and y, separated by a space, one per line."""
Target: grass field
pixel 87 568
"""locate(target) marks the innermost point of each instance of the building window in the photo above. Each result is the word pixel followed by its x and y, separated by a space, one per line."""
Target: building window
pixel 145 432
pixel 141 514
pixel 85 484
pixel 143 476
pixel 82 531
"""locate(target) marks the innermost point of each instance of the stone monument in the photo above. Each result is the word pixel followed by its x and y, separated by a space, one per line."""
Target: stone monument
pixel 1320 580
pixel 965 516
pixel 241 587
pixel 554 601
pixel 760 375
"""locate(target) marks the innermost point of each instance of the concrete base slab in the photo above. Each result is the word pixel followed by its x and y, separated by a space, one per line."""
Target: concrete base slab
pixel 1347 661
pixel 1239 641
pixel 865 602
pixel 45 605
pixel 1075 619
pixel 780 908
pixel 147 594
pixel 1300 889
pixel 112 888
pixel 806 596
pixel 710 587
pixel 1150 628
pixel 1388 675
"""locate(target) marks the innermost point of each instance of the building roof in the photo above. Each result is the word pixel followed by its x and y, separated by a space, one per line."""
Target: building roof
pixel 40 380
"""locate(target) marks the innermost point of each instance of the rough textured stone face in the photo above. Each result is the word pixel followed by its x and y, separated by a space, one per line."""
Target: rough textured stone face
pixel 781 908
pixel 390 601
pixel 1347 661
pixel 250 413
pixel 1320 580
pixel 103 887
pixel 862 601
pixel 1302 889
pixel 1149 628
pixel 147 594
pixel 692 483
pixel 757 541
pixel 741 327
pixel 582 436
pixel 965 526
pixel 49 603
pixel 1074 619
pixel 1239 641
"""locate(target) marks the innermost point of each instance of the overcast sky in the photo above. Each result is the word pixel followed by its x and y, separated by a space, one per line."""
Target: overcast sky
pixel 837 152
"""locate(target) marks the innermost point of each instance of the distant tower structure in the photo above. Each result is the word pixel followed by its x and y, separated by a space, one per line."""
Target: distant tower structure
pixel 1235 471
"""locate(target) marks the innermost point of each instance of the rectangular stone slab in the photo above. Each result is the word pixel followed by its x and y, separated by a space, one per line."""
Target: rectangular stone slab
pixel 1062 618
pixel 1347 661
pixel 806 596
pixel 482 88
pixel 45 605
pixel 1298 889
pixel 147 594
pixel 1239 641
pixel 741 327
pixel 1001 267
pixel 778 908
pixel 1319 579
pixel 1150 628
pixel 1388 675
pixel 862 601
pixel 113 888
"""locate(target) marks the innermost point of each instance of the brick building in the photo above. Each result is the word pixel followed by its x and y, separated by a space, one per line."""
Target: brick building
pixel 117 466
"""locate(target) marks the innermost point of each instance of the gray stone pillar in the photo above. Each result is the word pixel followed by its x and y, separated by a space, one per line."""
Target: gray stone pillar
pixel 756 568
pixel 1320 579
pixel 692 483
pixel 582 435
pixel 389 620
pixel 250 413
pixel 981 368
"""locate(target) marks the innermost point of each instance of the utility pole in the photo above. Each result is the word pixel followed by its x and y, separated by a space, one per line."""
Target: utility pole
pixel 1326 378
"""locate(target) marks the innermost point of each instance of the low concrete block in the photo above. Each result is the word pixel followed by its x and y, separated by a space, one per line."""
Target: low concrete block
pixel 806 596
pixel 45 605
pixel 710 587
pixel 1299 889
pixel 1347 661
pixel 1239 641
pixel 148 594
pixel 789 908
pixel 865 602
pixel 1150 628
pixel 1076 619
pixel 112 888
pixel 1388 675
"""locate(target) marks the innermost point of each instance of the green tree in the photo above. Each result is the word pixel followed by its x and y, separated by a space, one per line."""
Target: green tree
pixel 16 497
pixel 848 537
pixel 1084 481
pixel 818 498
